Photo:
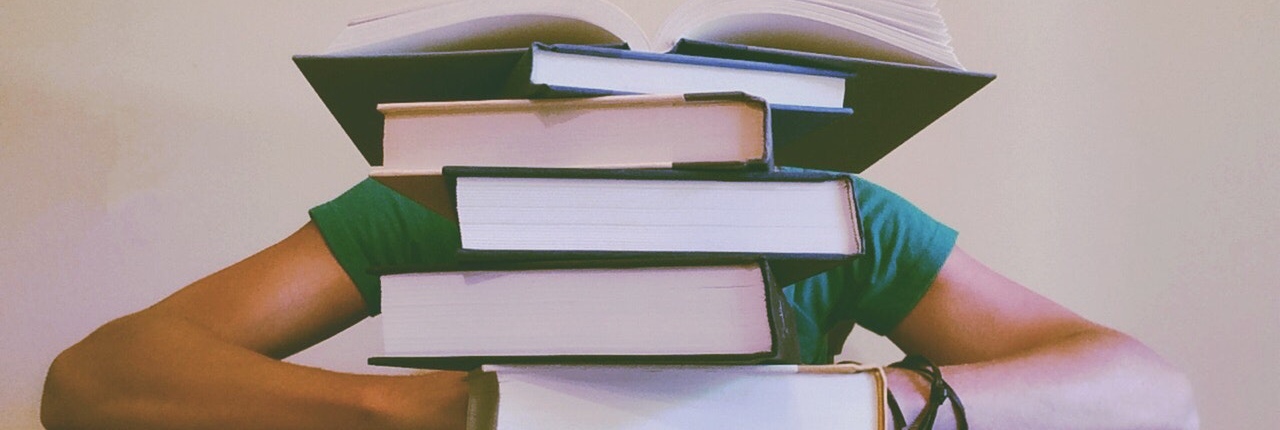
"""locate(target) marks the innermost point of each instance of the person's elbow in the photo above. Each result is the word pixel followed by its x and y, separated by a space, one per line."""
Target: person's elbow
pixel 58 404
pixel 1182 400
pixel 1163 393
pixel 76 393
pixel 1179 399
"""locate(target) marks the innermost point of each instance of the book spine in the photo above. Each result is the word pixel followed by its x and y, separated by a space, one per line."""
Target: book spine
pixel 766 161
pixel 786 268
pixel 786 344
pixel 455 172
pixel 528 265
pixel 518 85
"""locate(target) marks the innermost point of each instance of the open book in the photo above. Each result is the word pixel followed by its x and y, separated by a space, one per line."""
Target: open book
pixel 904 31
pixel 902 75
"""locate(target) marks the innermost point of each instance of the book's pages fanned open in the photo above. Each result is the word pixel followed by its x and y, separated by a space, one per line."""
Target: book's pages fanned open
pixel 903 73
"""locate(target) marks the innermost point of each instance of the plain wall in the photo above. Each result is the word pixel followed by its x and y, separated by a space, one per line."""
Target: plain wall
pixel 1124 164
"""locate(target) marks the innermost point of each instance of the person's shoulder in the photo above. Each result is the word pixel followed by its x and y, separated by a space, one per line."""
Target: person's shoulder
pixel 369 190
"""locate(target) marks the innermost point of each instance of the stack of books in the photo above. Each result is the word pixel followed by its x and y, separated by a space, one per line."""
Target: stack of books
pixel 625 230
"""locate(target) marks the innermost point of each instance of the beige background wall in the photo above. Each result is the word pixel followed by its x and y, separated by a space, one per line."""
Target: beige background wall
pixel 1124 163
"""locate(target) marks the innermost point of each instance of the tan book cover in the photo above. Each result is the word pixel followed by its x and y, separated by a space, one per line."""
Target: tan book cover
pixel 627 131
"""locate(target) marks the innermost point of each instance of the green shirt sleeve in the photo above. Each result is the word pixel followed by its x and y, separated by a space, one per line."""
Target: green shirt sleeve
pixel 904 250
pixel 371 226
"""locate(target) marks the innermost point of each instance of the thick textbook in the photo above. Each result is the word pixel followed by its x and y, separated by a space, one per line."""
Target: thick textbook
pixel 575 70
pixel 605 311
pixel 805 221
pixel 767 397
pixel 710 130
pixel 905 75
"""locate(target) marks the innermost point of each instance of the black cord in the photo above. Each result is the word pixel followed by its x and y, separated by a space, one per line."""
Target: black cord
pixel 939 391
pixel 899 422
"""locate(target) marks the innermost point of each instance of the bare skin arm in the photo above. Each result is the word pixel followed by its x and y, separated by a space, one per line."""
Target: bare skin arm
pixel 1021 361
pixel 208 357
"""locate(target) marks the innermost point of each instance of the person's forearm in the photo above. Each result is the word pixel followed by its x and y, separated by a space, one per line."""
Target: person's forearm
pixel 144 372
pixel 1099 379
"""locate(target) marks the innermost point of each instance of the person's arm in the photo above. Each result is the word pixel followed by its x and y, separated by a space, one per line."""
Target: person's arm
pixel 1020 361
pixel 208 357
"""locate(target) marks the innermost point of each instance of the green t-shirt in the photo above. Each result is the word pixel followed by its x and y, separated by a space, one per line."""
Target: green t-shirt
pixel 373 226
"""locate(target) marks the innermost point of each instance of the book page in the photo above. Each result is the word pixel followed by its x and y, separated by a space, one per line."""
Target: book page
pixel 489 24
pixel 658 398
pixel 585 311
pixel 922 22
pixel 638 215
pixel 910 31
pixel 820 26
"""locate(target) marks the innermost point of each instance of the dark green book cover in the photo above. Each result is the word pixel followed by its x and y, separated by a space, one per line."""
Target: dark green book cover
pixel 890 102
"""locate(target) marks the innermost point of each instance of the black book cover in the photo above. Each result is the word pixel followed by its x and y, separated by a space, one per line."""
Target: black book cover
pixel 353 86
pixel 892 102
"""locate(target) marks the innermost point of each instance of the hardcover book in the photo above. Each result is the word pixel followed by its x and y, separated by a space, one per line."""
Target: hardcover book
pixel 574 70
pixel 608 311
pixel 804 221
pixel 905 75
pixel 765 397
pixel 721 130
